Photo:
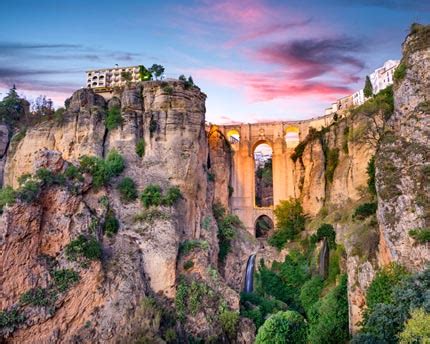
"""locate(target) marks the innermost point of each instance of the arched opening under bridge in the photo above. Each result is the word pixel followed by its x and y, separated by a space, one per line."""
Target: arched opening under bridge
pixel 263 175
pixel 263 226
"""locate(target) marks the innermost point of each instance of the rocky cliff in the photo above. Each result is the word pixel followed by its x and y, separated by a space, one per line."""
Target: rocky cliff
pixel 128 291
pixel 402 161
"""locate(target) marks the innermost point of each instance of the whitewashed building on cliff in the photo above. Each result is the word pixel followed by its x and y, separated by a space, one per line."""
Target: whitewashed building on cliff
pixel 383 76
pixel 108 78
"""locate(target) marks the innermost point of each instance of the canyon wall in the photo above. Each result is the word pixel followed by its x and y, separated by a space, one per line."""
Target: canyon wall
pixel 113 299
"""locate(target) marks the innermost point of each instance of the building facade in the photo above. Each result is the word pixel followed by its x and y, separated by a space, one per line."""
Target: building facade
pixel 383 76
pixel 108 78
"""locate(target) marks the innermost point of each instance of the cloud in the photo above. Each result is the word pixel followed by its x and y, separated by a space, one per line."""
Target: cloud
pixel 311 58
pixel 269 86
pixel 61 51
pixel 406 5
pixel 16 72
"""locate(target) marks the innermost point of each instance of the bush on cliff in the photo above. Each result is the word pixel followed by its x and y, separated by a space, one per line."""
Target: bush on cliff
pixel 102 170
pixel 151 196
pixel 113 118
pixel 140 147
pixel 87 248
pixel 111 224
pixel 7 196
pixel 325 231
pixel 421 235
pixel 127 189
pixel 290 222
pixel 364 210
pixel 283 327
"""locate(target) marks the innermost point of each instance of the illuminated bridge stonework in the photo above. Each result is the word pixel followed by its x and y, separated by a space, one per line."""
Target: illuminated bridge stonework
pixel 282 137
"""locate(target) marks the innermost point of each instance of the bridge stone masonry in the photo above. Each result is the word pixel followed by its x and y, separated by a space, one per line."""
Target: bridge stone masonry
pixel 282 137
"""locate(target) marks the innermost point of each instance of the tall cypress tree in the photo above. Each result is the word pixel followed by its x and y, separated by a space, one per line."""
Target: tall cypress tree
pixel 368 89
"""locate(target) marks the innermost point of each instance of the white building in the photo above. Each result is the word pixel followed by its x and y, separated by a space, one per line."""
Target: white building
pixel 108 78
pixel 358 98
pixel 383 76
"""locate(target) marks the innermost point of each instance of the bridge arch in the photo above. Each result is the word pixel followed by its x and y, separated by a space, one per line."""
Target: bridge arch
pixel 263 226
pixel 292 136
pixel 233 136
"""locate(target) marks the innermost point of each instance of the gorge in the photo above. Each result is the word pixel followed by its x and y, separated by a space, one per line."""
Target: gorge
pixel 144 230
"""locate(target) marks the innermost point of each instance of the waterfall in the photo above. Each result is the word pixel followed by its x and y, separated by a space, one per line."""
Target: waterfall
pixel 249 274
pixel 324 259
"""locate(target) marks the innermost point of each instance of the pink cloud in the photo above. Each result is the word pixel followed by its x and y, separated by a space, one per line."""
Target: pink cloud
pixel 269 86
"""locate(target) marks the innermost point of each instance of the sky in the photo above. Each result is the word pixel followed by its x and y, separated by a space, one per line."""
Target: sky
pixel 257 60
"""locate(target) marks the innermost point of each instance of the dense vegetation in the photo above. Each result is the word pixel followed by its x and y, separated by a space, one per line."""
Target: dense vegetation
pixel 399 308
pixel 318 308
pixel 290 222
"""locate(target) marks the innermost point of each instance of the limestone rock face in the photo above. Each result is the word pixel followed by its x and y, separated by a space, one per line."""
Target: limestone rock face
pixel 81 133
pixel 403 161
pixel 310 180
pixel 220 165
pixel 142 257
pixel 360 276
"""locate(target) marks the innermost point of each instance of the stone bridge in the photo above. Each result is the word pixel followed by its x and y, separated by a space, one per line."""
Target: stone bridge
pixel 282 137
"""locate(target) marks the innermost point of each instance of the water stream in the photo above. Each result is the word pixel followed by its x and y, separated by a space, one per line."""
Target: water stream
pixel 249 274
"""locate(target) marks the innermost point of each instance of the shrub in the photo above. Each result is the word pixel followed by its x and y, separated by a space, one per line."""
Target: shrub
pixel 83 247
pixel 11 318
pixel 188 265
pixel 310 292
pixel 290 221
pixel 113 118
pixel 114 163
pixel 151 196
pixel 168 90
pixel 229 321
pixel 97 168
pixel 400 72
pixel 150 215
pixel 417 329
pixel 127 189
pixel 189 245
pixel 283 327
pixel 421 235
pixel 364 210
pixel 172 196
pixel 140 147
pixel 325 231
pixel 29 191
pixel 332 162
pixel 7 196
pixel 371 178
pixel 72 172
pixel 39 297
pixel 47 177
pixel 381 288
pixel 111 224
pixel 64 278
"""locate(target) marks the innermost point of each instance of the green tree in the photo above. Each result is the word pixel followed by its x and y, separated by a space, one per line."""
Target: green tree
pixel 417 328
pixel 144 74
pixel 282 328
pixel 157 71
pixel 368 88
pixel 290 221
pixel 371 176
pixel 382 286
